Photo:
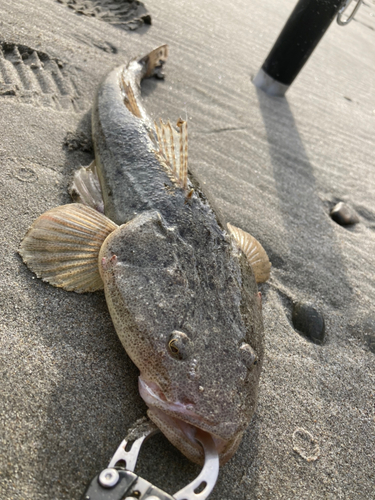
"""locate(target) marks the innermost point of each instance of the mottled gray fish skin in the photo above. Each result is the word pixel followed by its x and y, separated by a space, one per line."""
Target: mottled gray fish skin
pixel 181 291
pixel 182 297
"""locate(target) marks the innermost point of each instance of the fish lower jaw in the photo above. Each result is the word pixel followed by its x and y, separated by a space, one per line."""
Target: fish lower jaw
pixel 178 423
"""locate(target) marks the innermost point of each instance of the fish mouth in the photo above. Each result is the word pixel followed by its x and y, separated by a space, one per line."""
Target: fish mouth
pixel 180 424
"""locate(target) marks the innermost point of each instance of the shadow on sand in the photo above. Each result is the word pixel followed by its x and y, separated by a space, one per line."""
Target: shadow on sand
pixel 314 258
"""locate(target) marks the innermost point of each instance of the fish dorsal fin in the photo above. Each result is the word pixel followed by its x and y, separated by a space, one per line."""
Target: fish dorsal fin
pixel 171 148
pixel 86 189
pixel 255 253
pixel 130 100
pixel 63 244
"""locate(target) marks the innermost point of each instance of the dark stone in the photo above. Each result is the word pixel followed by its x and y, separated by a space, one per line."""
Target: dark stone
pixel 343 214
pixel 308 321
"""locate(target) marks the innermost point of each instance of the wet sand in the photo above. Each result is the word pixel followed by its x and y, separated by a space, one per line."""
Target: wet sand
pixel 273 166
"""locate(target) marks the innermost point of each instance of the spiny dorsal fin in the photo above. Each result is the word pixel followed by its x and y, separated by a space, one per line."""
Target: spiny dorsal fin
pixel 255 253
pixel 63 244
pixel 171 148
pixel 130 100
pixel 86 188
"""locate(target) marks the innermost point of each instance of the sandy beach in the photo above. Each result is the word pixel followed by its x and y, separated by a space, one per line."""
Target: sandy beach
pixel 273 166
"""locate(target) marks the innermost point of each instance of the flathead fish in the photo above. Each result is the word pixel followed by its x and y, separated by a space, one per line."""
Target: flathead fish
pixel 180 287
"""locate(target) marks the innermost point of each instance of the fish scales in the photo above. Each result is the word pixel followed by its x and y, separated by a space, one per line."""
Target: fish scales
pixel 182 295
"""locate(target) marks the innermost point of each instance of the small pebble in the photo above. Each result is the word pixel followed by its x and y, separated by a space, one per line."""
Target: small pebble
pixel 308 321
pixel 343 214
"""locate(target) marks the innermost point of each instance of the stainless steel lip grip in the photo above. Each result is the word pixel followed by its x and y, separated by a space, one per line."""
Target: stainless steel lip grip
pixel 118 481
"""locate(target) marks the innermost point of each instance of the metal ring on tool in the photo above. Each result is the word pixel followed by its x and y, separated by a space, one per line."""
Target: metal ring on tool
pixel 340 20
pixel 208 474
pixel 130 457
pixel 120 473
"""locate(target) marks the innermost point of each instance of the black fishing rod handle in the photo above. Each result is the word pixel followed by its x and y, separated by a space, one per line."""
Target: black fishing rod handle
pixel 302 32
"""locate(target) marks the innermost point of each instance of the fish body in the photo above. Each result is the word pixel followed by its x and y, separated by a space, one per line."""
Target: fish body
pixel 181 293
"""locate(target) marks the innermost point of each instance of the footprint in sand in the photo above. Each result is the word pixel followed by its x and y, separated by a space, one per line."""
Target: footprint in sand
pixel 36 78
pixel 128 15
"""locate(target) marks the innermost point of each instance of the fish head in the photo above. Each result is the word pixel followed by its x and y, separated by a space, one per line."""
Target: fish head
pixel 192 325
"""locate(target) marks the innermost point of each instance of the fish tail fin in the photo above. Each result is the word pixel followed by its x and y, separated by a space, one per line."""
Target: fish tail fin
pixel 149 65
pixel 154 61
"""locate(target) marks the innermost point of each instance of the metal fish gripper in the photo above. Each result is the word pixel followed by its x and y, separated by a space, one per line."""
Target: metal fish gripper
pixel 119 482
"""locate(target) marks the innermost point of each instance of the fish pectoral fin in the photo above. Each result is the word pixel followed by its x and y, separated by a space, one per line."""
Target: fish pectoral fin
pixel 63 244
pixel 86 189
pixel 171 149
pixel 255 253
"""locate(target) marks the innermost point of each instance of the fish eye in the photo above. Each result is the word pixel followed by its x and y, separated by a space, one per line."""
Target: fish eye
pixel 177 345
pixel 248 356
pixel 172 347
